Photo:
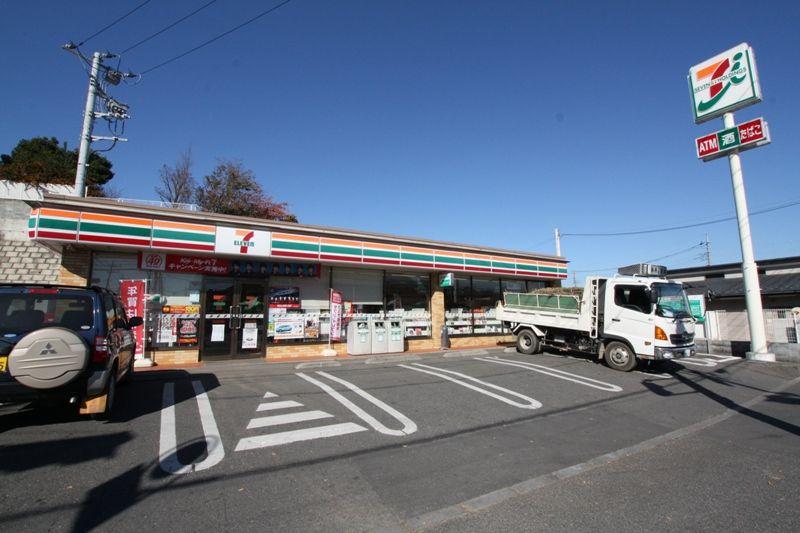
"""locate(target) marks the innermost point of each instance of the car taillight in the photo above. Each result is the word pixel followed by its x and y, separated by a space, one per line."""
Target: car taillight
pixel 660 335
pixel 100 350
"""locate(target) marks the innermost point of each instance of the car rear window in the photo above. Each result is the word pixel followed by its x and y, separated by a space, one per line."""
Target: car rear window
pixel 25 312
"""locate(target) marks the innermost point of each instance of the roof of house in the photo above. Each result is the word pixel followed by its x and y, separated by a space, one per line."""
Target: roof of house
pixel 763 264
pixel 771 285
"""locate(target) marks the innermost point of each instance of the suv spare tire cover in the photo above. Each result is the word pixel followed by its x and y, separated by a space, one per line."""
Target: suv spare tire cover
pixel 48 358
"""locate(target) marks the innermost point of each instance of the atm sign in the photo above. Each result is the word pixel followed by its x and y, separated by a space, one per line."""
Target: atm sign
pixel 743 136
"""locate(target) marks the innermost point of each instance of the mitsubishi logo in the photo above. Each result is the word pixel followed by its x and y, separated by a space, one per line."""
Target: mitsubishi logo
pixel 48 350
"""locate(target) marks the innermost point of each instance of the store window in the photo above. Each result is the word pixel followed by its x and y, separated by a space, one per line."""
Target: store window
pixel 458 306
pixel 485 295
pixel 536 285
pixel 408 295
pixel 363 289
pixel 514 285
pixel 299 309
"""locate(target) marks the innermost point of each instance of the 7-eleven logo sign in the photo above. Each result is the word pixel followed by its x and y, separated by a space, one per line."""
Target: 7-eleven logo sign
pixel 725 82
pixel 242 241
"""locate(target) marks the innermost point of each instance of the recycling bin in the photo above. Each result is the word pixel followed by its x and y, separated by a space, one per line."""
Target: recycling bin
pixel 396 341
pixel 380 336
pixel 359 337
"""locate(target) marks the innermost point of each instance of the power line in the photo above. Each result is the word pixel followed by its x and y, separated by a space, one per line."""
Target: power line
pixel 679 252
pixel 685 226
pixel 123 17
pixel 216 38
pixel 169 26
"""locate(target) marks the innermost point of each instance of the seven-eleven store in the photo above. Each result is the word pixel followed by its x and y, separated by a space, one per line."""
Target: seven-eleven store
pixel 221 287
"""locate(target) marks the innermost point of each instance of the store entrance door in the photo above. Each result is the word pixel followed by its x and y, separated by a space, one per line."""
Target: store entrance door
pixel 234 316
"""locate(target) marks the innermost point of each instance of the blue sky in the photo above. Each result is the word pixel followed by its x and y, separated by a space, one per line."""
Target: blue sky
pixel 486 122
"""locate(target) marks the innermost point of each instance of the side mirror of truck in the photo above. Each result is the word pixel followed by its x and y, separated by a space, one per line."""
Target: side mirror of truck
pixel 652 295
pixel 135 321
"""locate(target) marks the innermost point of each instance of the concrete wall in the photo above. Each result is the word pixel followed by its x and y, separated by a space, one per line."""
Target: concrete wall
pixel 785 352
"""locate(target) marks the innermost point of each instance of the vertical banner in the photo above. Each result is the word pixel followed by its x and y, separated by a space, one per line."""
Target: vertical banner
pixel 133 296
pixel 336 315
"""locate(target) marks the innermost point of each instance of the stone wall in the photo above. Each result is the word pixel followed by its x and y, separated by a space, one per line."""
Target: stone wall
pixel 23 260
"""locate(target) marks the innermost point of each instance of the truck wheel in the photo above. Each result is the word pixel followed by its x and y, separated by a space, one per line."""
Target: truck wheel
pixel 527 342
pixel 620 357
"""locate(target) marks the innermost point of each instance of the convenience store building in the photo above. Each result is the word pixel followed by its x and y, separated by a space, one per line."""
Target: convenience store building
pixel 226 287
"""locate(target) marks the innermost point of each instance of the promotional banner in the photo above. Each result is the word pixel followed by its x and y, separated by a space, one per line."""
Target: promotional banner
pixel 336 315
pixel 289 326
pixel 284 298
pixel 133 296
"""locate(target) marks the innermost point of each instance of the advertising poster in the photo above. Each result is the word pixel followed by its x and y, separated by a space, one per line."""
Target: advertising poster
pixel 133 295
pixel 312 326
pixel 167 330
pixel 187 331
pixel 289 326
pixel 336 315
pixel 284 298
pixel 250 335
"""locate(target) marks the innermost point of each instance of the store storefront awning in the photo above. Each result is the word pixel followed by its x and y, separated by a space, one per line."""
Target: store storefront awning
pixel 107 223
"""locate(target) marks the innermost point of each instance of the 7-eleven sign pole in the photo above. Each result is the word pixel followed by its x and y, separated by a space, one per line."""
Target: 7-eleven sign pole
pixel 718 87
pixel 752 287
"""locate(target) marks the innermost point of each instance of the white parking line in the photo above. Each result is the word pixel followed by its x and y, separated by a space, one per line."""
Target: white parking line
pixel 442 373
pixel 560 374
pixel 270 395
pixel 277 420
pixel 656 375
pixel 167 446
pixel 271 406
pixel 286 437
pixel 697 361
pixel 720 358
pixel 409 427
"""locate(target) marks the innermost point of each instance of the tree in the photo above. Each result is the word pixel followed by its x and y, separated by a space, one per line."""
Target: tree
pixel 232 189
pixel 42 160
pixel 177 183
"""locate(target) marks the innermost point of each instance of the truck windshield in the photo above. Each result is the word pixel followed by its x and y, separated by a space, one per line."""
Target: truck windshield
pixel 672 301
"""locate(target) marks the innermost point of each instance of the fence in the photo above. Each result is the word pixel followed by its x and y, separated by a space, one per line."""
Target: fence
pixel 781 325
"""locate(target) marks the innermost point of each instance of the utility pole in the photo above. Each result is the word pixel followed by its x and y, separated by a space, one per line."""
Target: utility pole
pixel 88 124
pixel 708 251
pixel 558 242
pixel 115 111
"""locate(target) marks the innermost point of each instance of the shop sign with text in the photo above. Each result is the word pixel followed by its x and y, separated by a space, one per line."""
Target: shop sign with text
pixel 724 83
pixel 250 242
pixel 743 136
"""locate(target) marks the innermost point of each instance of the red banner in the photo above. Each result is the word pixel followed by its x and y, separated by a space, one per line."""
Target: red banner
pixel 336 315
pixel 132 292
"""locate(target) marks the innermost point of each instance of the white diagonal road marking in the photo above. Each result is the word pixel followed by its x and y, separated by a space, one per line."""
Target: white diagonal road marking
pixel 409 427
pixel 560 374
pixel 530 403
pixel 277 420
pixel 272 406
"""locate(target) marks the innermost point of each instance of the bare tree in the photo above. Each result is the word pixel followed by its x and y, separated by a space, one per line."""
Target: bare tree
pixel 177 183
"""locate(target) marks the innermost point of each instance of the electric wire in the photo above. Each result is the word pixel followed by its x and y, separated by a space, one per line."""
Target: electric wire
pixel 217 37
pixel 684 226
pixel 679 252
pixel 120 19
pixel 167 27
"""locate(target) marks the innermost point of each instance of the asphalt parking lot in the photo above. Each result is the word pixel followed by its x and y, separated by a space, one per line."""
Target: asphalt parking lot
pixel 479 440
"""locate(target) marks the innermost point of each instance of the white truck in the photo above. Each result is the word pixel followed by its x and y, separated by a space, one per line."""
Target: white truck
pixel 635 315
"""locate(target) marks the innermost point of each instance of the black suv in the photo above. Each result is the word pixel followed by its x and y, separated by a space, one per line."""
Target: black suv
pixel 66 344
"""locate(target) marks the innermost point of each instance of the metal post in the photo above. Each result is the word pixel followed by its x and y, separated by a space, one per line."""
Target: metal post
pixel 752 288
pixel 558 242
pixel 88 122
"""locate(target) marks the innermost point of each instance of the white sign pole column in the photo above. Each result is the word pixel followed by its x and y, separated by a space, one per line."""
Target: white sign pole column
pixel 752 287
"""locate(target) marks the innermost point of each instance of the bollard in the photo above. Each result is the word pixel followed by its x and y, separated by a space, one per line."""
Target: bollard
pixel 445 338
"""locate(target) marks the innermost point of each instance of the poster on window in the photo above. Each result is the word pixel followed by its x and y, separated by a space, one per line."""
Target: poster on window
pixel 336 315
pixel 284 298
pixel 133 296
pixel 187 331
pixel 289 326
pixel 312 326
pixel 250 336
pixel 167 330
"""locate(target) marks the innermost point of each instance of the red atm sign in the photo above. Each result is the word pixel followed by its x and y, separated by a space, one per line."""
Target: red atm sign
pixel 743 137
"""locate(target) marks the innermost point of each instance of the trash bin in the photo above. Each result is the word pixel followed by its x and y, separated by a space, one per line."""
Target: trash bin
pixel 380 336
pixel 396 341
pixel 358 337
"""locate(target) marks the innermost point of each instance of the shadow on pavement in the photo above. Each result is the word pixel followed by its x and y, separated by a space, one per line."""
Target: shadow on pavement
pixel 60 452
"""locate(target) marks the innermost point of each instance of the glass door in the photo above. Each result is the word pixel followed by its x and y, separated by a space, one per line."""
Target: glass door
pixel 233 315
